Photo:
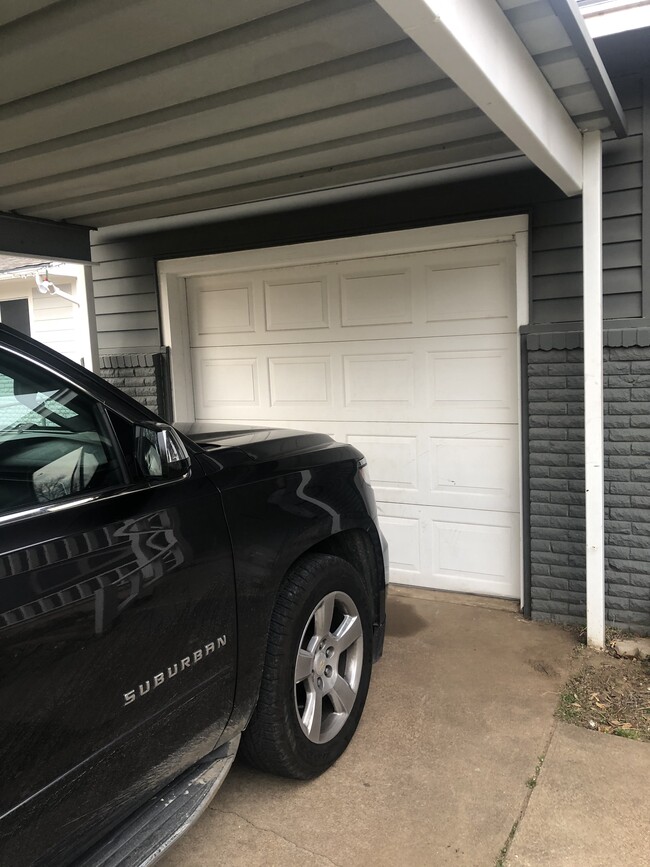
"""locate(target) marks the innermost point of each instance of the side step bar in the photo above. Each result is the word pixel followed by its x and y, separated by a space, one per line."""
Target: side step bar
pixel 145 837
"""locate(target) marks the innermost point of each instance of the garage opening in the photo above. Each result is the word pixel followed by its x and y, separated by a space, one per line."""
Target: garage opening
pixel 411 356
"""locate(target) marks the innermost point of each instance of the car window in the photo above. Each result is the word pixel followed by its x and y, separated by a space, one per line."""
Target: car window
pixel 54 442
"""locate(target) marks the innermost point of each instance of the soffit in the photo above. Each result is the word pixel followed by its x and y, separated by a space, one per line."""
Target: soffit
pixel 141 109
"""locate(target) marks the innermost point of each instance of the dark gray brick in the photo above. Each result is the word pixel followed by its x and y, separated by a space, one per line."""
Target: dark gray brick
pixel 566 369
pixel 617 501
pixel 630 514
pixel 545 458
pixel 547 434
pixel 550 606
pixel 550 558
pixel 549 484
pixel 614 603
pixel 575 473
pixel 617 367
pixel 551 582
pixel 549 357
pixel 629 488
pixel 640 567
pixel 573 396
pixel 627 435
pixel 620 551
pixel 641 448
pixel 546 382
pixel 570 421
pixel 628 353
pixel 640 605
pixel 628 591
pixel 568 548
pixel 616 448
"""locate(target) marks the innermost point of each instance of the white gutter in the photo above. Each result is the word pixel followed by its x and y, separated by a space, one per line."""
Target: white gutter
pixel 593 388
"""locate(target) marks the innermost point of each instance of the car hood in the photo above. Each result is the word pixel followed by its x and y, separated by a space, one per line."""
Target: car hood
pixel 259 443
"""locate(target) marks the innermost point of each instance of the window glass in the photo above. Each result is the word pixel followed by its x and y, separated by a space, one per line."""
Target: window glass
pixel 53 442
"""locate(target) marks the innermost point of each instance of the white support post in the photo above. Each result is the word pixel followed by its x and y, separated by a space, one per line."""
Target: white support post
pixel 593 366
pixel 86 318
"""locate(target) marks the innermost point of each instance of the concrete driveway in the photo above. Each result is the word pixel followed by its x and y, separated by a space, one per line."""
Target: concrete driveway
pixel 459 712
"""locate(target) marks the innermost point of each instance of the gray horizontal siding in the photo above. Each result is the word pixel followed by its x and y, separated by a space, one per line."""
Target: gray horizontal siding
pixel 624 306
pixel 121 267
pixel 615 230
pixel 556 264
pixel 126 302
pixel 133 341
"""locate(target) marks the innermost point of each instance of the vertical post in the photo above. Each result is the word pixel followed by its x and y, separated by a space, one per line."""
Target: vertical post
pixel 593 367
pixel 86 314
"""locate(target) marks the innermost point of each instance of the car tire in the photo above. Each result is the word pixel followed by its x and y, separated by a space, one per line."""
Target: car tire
pixel 316 671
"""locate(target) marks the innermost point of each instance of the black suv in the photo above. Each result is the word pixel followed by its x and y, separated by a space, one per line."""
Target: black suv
pixel 163 592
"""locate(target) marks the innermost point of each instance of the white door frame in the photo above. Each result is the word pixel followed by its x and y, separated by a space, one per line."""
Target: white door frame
pixel 173 273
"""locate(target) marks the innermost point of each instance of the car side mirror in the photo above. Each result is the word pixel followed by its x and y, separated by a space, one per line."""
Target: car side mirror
pixel 160 453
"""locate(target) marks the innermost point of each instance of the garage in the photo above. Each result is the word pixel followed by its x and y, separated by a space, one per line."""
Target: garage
pixel 403 344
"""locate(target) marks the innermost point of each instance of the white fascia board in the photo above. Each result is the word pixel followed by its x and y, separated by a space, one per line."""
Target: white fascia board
pixel 615 16
pixel 473 43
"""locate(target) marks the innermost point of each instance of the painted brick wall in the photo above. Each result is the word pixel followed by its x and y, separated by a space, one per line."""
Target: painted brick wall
pixel 556 463
pixel 143 376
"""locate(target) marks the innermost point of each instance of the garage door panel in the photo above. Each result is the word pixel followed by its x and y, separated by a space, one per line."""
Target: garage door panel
pixel 377 380
pixel 377 297
pixel 297 304
pixel 225 308
pixel 479 471
pixel 295 381
pixel 222 384
pixel 469 293
pixel 428 383
pixel 394 464
pixel 426 294
pixel 410 358
pixel 462 550
pixel 473 557
pixel 403 534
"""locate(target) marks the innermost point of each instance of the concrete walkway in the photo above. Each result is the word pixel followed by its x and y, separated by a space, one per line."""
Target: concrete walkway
pixel 459 712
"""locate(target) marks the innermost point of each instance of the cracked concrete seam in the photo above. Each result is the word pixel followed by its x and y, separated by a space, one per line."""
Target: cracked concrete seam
pixel 275 834
pixel 516 825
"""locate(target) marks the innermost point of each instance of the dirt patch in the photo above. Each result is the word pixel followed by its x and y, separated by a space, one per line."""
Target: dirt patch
pixel 608 694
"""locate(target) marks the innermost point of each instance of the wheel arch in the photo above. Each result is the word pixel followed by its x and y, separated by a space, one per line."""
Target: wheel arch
pixel 362 550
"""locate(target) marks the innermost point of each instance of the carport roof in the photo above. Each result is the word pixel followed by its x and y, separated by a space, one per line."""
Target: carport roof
pixel 140 109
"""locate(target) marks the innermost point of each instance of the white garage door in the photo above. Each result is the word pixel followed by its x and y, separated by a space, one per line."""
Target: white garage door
pixel 413 359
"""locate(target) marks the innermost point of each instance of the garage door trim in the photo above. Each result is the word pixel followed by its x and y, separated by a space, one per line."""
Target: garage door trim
pixel 173 274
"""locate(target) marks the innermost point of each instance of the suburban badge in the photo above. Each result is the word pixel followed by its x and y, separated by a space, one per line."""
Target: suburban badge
pixel 171 671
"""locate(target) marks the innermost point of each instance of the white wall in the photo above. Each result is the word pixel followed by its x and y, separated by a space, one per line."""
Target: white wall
pixel 53 320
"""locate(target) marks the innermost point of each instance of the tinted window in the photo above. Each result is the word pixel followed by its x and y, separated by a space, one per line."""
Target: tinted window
pixel 54 442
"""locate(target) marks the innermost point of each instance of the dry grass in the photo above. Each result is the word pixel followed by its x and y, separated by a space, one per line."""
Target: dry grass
pixel 609 694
